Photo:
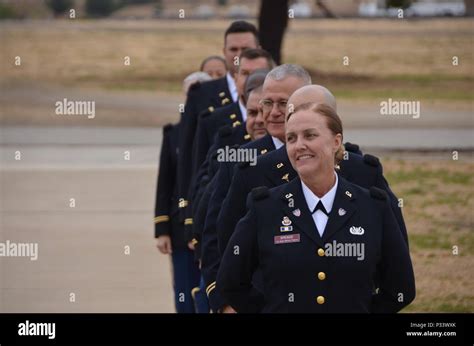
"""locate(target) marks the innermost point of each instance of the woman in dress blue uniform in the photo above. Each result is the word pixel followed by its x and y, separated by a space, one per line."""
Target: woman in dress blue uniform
pixel 318 244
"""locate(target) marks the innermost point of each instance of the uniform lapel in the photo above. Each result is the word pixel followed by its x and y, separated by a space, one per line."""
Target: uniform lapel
pixel 281 171
pixel 238 112
pixel 222 95
pixel 342 209
pixel 304 221
pixel 264 145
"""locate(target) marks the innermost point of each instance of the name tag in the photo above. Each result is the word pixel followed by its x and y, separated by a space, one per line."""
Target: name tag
pixel 285 239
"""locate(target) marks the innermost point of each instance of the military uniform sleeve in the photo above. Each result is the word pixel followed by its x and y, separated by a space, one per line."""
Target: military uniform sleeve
pixel 382 183
pixel 201 143
pixel 187 131
pixel 211 257
pixel 233 207
pixel 164 187
pixel 395 270
pixel 199 221
pixel 239 262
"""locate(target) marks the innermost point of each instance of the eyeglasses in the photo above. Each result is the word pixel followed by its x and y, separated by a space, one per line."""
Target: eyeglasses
pixel 267 105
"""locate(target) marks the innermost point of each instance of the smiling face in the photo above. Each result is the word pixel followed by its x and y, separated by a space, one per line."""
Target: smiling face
pixel 275 97
pixel 310 144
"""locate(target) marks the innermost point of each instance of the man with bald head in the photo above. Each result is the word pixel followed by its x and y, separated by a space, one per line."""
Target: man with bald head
pixel 315 93
pixel 275 169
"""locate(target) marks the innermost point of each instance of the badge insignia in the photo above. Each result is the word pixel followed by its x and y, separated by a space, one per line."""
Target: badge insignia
pixel 296 212
pixel 285 177
pixel 348 194
pixel 357 230
pixel 341 212
pixel 284 239
pixel 286 221
pixel 288 195
pixel 280 165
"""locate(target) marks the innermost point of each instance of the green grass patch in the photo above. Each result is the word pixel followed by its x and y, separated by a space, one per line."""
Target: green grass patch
pixel 433 240
pixel 423 175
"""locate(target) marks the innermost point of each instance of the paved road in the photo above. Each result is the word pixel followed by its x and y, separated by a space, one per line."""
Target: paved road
pixel 82 250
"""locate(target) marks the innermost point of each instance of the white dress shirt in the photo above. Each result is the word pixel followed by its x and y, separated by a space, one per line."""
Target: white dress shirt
pixel 232 87
pixel 320 219
pixel 277 143
pixel 243 110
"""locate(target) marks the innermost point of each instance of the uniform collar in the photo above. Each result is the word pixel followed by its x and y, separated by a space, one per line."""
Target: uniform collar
pixel 327 200
pixel 232 87
pixel 297 209
pixel 243 110
pixel 277 143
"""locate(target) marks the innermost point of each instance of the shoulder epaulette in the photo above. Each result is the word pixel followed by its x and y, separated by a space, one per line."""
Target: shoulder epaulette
pixel 353 148
pixel 375 192
pixel 371 160
pixel 205 113
pixel 260 192
pixel 195 86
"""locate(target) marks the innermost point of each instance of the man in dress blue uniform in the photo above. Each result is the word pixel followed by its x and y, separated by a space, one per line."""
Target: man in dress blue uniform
pixel 234 114
pixel 228 136
pixel 169 231
pixel 284 81
pixel 210 122
pixel 239 36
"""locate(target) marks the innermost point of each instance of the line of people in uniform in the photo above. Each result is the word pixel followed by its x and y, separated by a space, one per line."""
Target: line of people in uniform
pixel 309 224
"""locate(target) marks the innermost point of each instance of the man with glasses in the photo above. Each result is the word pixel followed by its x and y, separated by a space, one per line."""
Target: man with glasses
pixel 279 84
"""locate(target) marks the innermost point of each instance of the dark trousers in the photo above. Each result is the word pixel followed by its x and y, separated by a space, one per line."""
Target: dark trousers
pixel 200 298
pixel 186 276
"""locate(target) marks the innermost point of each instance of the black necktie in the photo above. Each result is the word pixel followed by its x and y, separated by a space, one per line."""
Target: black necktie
pixel 320 206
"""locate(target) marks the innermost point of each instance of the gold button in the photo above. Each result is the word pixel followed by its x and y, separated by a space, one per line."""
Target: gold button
pixel 321 276
pixel 320 299
pixel 321 252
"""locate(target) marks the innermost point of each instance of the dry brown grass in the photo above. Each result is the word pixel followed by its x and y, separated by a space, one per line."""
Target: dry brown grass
pixel 438 203
pixel 386 56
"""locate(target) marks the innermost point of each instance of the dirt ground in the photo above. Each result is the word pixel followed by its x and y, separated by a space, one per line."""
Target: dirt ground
pixel 406 58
